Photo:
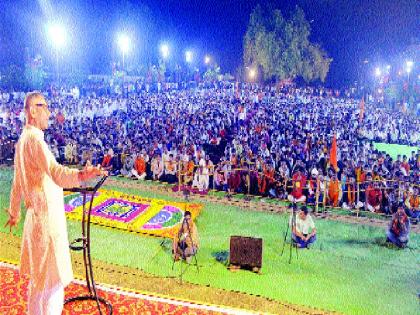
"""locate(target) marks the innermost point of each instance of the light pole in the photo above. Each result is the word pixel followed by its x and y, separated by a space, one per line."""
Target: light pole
pixel 188 60
pixel 207 60
pixel 378 74
pixel 188 56
pixel 57 36
pixel 164 51
pixel 124 43
pixel 409 66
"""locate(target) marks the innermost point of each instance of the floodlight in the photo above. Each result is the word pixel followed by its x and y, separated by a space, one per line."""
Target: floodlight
pixel 188 56
pixel 207 59
pixel 124 43
pixel 57 35
pixel 164 50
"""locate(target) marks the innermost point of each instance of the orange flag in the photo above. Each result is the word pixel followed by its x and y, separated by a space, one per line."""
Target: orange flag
pixel 362 109
pixel 333 153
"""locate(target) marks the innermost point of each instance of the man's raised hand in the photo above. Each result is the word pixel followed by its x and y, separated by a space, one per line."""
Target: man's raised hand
pixel 90 172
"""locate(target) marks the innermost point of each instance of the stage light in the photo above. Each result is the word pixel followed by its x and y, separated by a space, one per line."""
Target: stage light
pixel 188 56
pixel 207 59
pixel 378 72
pixel 57 35
pixel 123 43
pixel 388 67
pixel 164 51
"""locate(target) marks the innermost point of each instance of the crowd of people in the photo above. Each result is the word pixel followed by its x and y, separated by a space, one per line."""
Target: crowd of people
pixel 258 141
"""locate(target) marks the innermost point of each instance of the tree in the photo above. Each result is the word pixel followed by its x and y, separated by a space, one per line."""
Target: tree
pixel 212 74
pixel 281 48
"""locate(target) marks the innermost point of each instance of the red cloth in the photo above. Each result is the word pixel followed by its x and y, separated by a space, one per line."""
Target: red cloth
pixel 299 182
pixel 140 165
pixel 374 196
pixel 106 161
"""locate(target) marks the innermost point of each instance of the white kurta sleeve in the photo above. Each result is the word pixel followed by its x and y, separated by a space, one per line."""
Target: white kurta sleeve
pixel 63 176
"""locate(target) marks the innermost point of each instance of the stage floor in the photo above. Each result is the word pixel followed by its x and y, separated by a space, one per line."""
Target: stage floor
pixel 13 299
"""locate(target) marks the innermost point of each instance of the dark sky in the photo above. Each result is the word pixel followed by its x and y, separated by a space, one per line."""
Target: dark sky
pixel 350 30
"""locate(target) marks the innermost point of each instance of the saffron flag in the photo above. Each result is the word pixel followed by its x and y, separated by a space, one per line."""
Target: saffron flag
pixel 333 154
pixel 362 109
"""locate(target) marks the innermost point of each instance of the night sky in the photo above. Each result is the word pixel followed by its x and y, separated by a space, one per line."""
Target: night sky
pixel 349 30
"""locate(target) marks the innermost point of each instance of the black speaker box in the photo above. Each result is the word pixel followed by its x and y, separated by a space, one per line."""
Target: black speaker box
pixel 246 251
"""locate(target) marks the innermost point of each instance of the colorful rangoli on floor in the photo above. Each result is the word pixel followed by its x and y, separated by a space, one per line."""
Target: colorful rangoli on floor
pixel 130 212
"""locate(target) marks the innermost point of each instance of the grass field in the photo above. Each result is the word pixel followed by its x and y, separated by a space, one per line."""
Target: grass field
pixel 349 270
pixel 394 149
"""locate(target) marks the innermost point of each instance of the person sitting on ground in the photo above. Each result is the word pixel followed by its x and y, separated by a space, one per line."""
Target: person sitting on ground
pixel 399 228
pixel 139 169
pixel 157 167
pixel 127 166
pixel 185 243
pixel 303 229
pixel 107 160
pixel 412 204
pixel 373 197
pixel 298 183
pixel 220 178
pixel 170 169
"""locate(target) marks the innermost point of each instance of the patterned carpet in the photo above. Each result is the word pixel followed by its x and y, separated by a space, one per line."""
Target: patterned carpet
pixel 13 296
pixel 131 212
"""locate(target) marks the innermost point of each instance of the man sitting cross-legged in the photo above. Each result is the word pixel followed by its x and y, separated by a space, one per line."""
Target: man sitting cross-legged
pixel 303 229
pixel 185 243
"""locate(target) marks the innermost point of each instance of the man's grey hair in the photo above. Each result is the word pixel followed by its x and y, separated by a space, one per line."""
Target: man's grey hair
pixel 28 97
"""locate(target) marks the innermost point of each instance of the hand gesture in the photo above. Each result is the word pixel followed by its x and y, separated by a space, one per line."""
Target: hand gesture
pixel 11 223
pixel 90 172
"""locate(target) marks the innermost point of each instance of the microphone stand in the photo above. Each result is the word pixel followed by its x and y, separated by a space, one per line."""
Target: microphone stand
pixel 85 247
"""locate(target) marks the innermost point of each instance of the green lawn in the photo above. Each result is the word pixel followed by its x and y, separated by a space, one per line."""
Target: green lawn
pixel 349 269
pixel 394 149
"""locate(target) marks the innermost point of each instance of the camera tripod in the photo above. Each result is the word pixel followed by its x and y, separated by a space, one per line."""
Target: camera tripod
pixel 292 227
pixel 186 194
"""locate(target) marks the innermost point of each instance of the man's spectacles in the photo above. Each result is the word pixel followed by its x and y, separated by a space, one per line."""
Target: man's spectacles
pixel 42 105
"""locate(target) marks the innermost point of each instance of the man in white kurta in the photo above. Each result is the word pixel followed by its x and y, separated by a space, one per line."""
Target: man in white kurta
pixel 38 180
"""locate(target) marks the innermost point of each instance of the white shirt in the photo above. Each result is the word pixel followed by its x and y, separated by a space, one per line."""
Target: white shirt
pixel 303 226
